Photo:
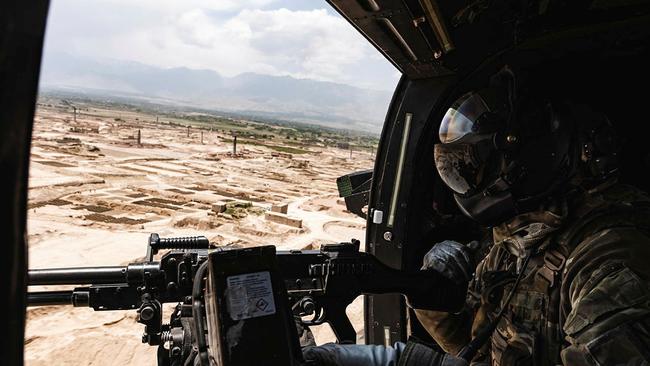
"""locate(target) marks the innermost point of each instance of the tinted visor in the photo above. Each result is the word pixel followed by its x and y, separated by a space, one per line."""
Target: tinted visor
pixel 459 166
pixel 460 119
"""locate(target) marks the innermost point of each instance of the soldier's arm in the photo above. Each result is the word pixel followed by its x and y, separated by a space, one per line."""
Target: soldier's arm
pixel 450 331
pixel 453 331
pixel 605 300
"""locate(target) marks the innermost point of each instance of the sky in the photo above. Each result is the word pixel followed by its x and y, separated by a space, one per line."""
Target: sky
pixel 303 39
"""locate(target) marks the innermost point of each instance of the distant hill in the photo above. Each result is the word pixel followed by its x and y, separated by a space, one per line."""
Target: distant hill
pixel 283 97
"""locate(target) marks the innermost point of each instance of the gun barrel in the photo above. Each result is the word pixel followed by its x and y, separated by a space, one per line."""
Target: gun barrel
pixel 49 298
pixel 77 276
pixel 77 297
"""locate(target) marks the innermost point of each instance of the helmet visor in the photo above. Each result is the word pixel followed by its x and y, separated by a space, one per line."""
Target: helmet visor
pixel 459 166
pixel 460 119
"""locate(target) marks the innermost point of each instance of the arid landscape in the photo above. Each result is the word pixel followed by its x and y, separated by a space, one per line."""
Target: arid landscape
pixel 103 179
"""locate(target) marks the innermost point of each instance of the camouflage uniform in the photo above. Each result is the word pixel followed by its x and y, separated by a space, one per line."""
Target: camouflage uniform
pixel 584 298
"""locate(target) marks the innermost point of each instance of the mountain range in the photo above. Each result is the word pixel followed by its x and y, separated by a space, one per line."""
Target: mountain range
pixel 282 97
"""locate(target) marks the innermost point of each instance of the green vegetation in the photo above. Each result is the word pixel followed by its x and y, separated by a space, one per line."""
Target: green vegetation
pixel 279 135
pixel 284 149
pixel 241 209
pixel 288 150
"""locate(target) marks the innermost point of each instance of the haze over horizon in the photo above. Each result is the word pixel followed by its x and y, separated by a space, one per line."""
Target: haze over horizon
pixel 261 48
pixel 279 97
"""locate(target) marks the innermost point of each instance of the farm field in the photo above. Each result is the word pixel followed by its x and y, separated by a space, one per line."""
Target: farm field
pixel 103 180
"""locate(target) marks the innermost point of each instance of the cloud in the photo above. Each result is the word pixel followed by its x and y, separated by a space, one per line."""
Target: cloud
pixel 308 44
pixel 227 36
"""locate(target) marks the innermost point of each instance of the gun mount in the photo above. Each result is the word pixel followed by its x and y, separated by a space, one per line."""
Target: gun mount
pixel 319 285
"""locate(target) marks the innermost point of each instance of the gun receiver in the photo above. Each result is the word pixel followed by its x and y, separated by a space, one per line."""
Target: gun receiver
pixel 320 284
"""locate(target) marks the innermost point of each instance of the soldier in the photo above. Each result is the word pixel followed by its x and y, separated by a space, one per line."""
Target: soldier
pixel 565 280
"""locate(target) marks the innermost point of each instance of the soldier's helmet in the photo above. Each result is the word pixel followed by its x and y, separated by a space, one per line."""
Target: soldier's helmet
pixel 504 151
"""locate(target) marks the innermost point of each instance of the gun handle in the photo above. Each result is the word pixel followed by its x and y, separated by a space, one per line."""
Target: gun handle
pixel 338 320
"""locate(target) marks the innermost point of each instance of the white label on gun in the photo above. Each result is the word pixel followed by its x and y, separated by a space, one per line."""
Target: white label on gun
pixel 250 295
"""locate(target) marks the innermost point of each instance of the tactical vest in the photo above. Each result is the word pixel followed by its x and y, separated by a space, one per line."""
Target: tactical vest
pixel 530 332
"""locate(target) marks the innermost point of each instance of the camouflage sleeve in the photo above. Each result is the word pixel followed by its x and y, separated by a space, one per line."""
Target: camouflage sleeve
pixel 453 331
pixel 450 331
pixel 605 300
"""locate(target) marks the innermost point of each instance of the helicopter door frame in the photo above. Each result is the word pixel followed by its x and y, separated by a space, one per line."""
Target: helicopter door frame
pixel 386 319
pixel 22 30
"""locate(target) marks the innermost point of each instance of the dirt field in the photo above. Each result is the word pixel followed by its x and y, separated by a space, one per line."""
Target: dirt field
pixel 96 194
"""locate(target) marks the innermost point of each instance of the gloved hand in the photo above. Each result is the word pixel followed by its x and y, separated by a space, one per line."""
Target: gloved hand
pixel 449 360
pixel 419 354
pixel 410 354
pixel 451 259
pixel 332 354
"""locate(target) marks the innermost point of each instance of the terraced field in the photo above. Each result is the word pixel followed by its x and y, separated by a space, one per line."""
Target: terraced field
pixel 96 194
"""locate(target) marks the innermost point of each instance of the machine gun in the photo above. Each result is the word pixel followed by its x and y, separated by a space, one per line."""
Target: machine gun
pixel 316 286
